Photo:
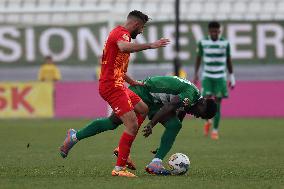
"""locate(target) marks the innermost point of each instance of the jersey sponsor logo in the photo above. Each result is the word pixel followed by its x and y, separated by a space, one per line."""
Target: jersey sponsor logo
pixel 126 37
pixel 186 102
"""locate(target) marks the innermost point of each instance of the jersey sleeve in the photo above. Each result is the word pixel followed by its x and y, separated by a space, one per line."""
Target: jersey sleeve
pixel 199 49
pixel 123 36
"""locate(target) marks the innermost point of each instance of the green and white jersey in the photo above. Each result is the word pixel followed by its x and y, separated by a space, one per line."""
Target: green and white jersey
pixel 214 56
pixel 164 88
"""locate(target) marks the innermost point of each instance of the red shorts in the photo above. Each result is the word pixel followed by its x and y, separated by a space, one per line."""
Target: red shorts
pixel 121 100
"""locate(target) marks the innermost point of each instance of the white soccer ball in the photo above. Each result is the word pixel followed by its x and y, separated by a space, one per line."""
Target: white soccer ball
pixel 179 164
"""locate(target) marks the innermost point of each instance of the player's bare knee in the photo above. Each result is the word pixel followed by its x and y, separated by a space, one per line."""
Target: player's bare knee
pixel 130 121
pixel 141 108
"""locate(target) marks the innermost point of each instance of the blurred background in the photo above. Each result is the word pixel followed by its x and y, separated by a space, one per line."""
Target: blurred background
pixel 73 32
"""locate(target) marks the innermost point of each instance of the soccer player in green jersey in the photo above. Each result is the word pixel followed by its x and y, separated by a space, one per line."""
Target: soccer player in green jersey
pixel 169 99
pixel 214 52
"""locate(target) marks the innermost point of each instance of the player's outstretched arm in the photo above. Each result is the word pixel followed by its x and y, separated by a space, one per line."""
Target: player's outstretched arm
pixel 128 47
pixel 165 112
pixel 131 81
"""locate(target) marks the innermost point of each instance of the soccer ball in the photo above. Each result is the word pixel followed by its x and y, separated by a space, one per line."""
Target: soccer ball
pixel 179 164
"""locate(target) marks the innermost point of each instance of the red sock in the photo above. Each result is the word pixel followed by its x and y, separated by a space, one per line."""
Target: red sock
pixel 140 119
pixel 124 149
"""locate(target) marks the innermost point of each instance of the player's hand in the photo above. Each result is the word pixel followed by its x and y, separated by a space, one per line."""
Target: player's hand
pixel 232 82
pixel 147 130
pixel 160 43
pixel 137 83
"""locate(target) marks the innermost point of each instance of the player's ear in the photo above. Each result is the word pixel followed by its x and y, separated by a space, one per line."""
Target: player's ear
pixel 136 23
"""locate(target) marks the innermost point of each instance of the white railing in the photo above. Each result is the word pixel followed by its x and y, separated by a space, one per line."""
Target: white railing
pixel 84 11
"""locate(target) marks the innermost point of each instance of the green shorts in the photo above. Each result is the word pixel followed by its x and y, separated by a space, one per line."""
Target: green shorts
pixel 214 87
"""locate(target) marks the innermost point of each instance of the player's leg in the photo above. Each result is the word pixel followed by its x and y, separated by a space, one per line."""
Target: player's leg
pixel 98 126
pixel 131 127
pixel 136 94
pixel 172 128
pixel 125 110
pixel 207 126
pixel 214 134
pixel 95 127
pixel 141 110
pixel 207 91
pixel 220 91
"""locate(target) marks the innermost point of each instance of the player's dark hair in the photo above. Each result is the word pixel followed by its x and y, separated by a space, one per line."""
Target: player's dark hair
pixel 211 108
pixel 139 15
pixel 214 24
pixel 48 57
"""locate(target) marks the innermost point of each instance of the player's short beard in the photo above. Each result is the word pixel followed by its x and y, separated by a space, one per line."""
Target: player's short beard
pixel 134 34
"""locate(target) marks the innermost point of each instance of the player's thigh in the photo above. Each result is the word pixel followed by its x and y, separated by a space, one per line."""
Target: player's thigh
pixel 207 87
pixel 139 106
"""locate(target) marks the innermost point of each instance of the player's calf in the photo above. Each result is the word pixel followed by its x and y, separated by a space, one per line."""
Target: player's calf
pixel 206 128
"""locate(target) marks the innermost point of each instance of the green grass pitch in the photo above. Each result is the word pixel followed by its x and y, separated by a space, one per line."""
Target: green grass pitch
pixel 249 154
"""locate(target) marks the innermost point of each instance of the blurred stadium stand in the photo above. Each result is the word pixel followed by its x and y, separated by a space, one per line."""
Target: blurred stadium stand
pixel 90 11
pixel 68 12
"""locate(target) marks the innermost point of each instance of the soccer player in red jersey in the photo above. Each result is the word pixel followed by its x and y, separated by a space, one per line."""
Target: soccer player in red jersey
pixel 126 104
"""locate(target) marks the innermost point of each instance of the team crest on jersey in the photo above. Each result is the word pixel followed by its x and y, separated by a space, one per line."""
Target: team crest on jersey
pixel 125 36
pixel 186 102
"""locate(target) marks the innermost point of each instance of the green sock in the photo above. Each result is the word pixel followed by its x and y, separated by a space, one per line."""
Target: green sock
pixel 172 128
pixel 97 126
pixel 217 116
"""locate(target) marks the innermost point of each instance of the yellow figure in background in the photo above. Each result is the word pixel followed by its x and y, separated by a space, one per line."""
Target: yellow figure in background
pixel 182 74
pixel 49 71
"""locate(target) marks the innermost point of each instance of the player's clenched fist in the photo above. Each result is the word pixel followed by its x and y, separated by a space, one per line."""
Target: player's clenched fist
pixel 147 130
pixel 160 43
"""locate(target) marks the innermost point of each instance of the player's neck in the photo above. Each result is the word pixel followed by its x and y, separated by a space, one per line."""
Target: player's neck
pixel 128 26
